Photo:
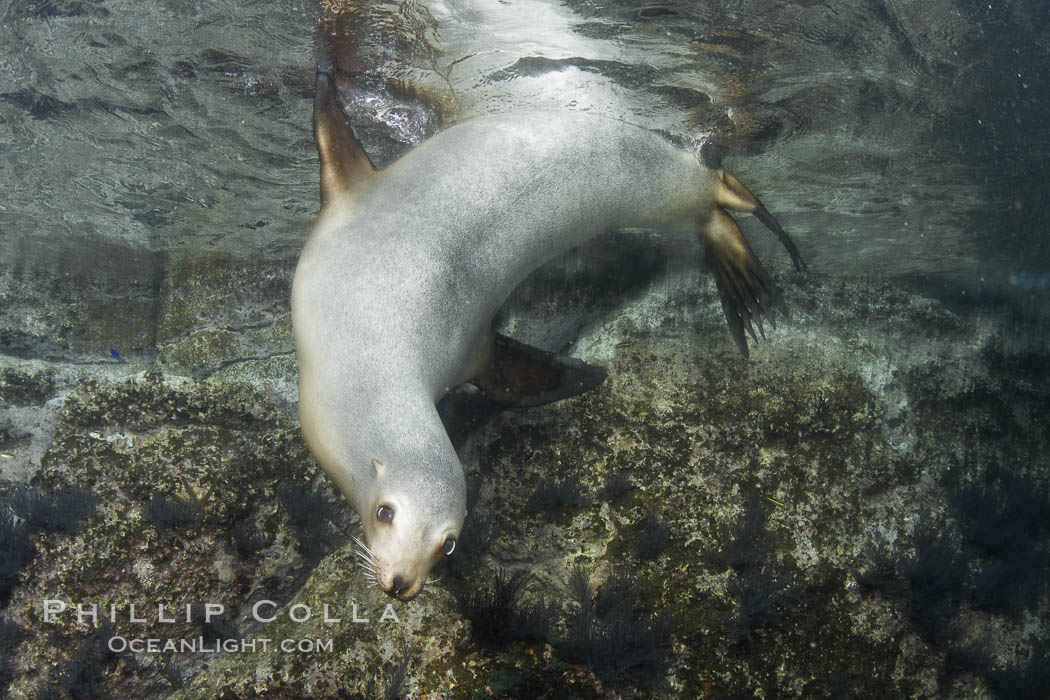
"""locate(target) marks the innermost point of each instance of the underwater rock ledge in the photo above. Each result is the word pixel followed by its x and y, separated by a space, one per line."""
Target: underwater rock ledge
pixel 791 488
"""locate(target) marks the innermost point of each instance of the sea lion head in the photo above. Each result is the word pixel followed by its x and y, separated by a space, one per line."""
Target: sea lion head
pixel 411 521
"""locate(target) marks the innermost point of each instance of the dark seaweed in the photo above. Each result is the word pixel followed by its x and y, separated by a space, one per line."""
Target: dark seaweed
pixel 1004 520
pixel 395 686
pixel 104 633
pixel 743 544
pixel 652 540
pixel 1008 585
pixel 310 512
pixel 247 539
pixel 975 657
pixel 580 586
pixel 1029 680
pixel 304 505
pixel 839 687
pixel 498 616
pixel 16 550
pixel 1004 514
pixel 937 577
pixel 932 582
pixel 1004 533
pixel 168 513
pixel 171 671
pixel 81 676
pixel 218 629
pixel 548 498
pixel 884 573
pixel 8 632
pixel 616 485
pixel 315 542
pixel 59 511
pixel 614 643
pixel 473 493
pixel 617 595
pixel 762 601
pixel 395 683
pixel 45 692
pixel 739 691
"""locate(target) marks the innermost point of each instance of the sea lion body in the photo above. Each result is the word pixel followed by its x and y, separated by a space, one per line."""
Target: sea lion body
pixel 398 283
pixel 396 288
pixel 415 264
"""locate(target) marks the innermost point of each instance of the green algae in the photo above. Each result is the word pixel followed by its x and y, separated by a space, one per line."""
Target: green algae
pixel 843 444
pixel 222 447
pixel 24 387
pixel 202 349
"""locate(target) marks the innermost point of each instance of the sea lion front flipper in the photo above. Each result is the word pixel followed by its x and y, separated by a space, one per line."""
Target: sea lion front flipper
pixel 344 163
pixel 517 375
pixel 745 288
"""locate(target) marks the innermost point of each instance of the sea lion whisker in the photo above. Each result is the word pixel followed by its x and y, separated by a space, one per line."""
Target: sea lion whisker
pixel 364 552
pixel 363 547
pixel 366 556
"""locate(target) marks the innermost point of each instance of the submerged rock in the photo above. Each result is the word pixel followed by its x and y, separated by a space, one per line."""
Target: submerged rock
pixel 790 487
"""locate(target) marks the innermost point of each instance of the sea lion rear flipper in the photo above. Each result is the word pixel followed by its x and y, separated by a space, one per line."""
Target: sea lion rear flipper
pixel 344 163
pixel 745 288
pixel 521 376
pixel 733 194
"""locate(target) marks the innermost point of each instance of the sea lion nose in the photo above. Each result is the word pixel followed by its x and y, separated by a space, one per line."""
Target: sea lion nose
pixel 397 586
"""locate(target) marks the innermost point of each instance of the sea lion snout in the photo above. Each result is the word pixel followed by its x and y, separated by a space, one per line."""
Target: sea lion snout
pixel 405 538
pixel 402 588
pixel 403 579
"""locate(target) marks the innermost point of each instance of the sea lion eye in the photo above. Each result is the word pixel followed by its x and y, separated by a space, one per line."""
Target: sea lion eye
pixel 385 514
pixel 448 546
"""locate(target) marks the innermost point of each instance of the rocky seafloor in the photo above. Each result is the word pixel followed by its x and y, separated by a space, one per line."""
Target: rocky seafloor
pixel 858 510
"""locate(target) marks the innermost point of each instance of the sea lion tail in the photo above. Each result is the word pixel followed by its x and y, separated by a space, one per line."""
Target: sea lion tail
pixel 746 290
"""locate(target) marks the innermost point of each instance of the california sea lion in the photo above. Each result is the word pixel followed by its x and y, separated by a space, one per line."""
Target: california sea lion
pixel 397 285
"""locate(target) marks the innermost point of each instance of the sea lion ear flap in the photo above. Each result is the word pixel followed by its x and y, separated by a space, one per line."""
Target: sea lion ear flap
pixel 521 376
pixel 379 466
pixel 344 163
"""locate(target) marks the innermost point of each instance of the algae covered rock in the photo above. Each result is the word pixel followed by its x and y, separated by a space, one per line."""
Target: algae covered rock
pixel 183 480
pixel 733 528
